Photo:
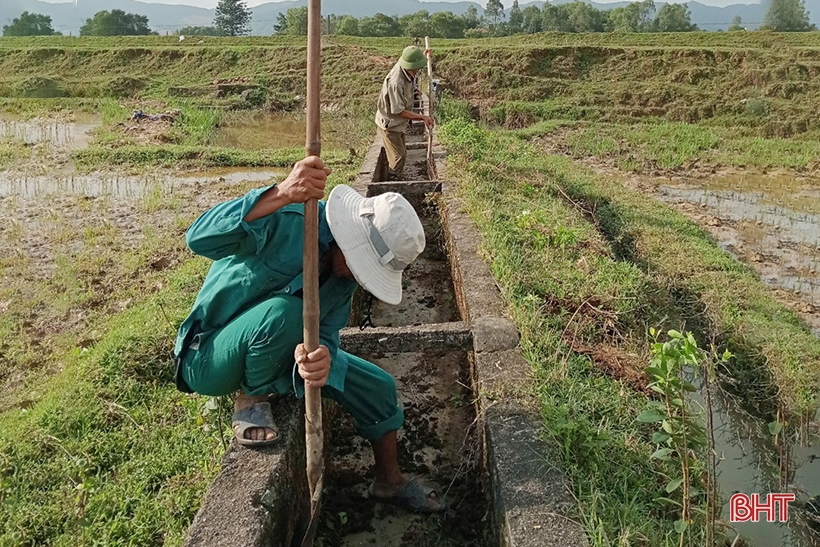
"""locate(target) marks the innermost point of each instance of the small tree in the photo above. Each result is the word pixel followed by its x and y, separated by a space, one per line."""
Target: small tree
pixel 471 18
pixel 674 18
pixel 737 24
pixel 516 23
pixel 281 24
pixel 636 17
pixel 30 24
pixel 379 25
pixel 416 24
pixel 348 26
pixel 199 31
pixel 787 16
pixel 494 10
pixel 295 23
pixel 533 20
pixel 556 18
pixel 583 17
pixel 444 24
pixel 116 23
pixel 233 18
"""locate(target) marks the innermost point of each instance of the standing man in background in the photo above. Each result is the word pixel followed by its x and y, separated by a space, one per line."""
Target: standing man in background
pixel 395 108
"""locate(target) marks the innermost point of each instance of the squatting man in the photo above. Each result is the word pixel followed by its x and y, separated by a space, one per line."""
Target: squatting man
pixel 245 329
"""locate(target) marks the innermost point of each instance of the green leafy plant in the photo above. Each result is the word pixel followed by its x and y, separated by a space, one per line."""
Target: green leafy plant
pixel 681 437
pixel 210 417
pixel 84 485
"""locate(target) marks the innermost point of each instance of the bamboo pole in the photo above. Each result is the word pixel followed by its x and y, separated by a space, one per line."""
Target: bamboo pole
pixel 310 312
pixel 430 108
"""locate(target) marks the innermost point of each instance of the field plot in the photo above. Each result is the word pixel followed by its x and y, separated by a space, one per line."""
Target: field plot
pixel 622 183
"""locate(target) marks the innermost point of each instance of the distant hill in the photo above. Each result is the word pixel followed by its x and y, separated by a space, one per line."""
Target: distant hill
pixel 166 18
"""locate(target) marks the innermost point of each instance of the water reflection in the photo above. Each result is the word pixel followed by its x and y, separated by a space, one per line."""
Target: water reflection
pixel 72 133
pixel 770 221
pixel 124 187
pixel 258 130
pixel 749 462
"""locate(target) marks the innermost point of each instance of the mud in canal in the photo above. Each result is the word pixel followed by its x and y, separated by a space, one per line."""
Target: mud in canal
pixel 770 222
pixel 439 444
pixel 428 296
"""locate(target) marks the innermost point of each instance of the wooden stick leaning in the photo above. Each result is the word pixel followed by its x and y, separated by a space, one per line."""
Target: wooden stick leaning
pixel 314 433
pixel 431 166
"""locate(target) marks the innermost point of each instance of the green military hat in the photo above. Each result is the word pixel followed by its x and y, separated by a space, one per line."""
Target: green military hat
pixel 412 58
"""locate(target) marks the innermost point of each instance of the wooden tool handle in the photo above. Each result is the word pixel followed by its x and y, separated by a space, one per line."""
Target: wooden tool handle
pixel 310 291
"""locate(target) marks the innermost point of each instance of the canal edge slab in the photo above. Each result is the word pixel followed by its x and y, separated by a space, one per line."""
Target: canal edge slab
pixel 531 498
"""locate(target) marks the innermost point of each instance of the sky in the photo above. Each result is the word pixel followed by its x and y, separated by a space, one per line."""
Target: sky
pixel 213 3
pixel 252 3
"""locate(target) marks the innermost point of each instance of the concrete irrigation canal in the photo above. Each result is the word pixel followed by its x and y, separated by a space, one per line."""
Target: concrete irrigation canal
pixel 458 368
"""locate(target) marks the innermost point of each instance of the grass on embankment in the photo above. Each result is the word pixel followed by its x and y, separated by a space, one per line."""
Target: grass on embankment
pixel 676 146
pixel 585 262
pixel 760 80
pixel 198 157
pixel 762 86
pixel 110 453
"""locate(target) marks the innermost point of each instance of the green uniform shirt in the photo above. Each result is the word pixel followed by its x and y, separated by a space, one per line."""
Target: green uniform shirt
pixel 256 260
pixel 396 97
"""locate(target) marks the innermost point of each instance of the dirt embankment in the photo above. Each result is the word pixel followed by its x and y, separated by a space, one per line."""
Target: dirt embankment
pixel 748 219
pixel 771 92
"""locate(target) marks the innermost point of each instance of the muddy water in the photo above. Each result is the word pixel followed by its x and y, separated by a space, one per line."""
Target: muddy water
pixel 749 462
pixel 72 133
pixel 258 130
pixel 770 222
pixel 124 187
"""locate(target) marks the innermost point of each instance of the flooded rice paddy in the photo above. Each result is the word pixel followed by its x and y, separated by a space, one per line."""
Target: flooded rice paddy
pixel 258 130
pixel 771 222
pixel 124 186
pixel 71 132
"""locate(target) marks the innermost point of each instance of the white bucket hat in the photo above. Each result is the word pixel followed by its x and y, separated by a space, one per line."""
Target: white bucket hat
pixel 378 236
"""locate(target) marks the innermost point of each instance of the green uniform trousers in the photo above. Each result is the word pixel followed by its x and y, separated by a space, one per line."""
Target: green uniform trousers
pixel 254 353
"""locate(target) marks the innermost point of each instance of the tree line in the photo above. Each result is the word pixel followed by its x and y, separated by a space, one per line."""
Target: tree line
pixel 572 17
pixel 233 19
pixel 577 16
